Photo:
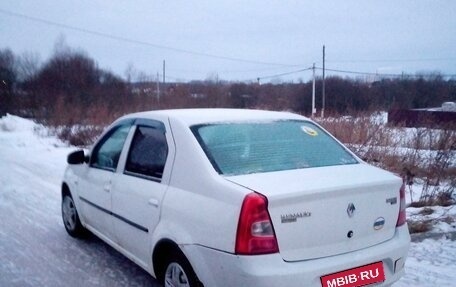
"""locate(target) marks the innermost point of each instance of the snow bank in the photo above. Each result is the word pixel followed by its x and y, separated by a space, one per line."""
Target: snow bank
pixel 10 123
pixel 31 160
pixel 17 132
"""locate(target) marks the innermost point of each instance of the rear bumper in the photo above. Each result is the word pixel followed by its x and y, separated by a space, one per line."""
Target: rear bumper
pixel 216 268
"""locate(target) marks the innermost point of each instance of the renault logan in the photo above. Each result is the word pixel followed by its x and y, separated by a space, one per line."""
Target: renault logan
pixel 221 197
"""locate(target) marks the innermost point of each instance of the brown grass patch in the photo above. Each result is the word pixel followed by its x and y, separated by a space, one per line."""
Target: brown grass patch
pixel 426 211
pixel 419 226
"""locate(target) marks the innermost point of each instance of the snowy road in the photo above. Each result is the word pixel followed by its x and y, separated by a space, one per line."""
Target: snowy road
pixel 35 250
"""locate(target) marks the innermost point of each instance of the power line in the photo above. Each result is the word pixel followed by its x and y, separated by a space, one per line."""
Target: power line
pixel 253 70
pixel 379 74
pixel 358 73
pixel 220 57
pixel 351 72
pixel 138 42
pixel 393 60
pixel 284 74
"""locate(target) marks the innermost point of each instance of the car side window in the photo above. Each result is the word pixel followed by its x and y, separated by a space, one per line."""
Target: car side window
pixel 148 153
pixel 107 153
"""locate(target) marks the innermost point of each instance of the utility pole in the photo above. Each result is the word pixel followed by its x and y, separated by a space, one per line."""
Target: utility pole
pixel 164 72
pixel 313 91
pixel 323 88
pixel 158 88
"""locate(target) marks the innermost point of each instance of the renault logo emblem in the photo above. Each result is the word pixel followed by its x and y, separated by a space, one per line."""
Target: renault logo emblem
pixel 351 209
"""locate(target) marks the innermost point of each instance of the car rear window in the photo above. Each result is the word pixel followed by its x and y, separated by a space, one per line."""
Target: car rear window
pixel 244 148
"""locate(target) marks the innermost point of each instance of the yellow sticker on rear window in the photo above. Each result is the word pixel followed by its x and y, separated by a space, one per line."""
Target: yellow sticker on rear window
pixel 310 131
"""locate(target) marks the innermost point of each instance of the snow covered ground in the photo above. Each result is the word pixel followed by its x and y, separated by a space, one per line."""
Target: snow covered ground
pixel 36 251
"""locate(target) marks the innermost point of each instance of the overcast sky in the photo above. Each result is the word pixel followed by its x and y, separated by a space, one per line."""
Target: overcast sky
pixel 240 39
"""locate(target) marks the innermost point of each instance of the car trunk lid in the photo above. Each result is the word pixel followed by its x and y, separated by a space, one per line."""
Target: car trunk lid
pixel 319 212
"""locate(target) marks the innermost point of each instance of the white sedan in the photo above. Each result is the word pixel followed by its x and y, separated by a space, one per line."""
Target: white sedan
pixel 222 197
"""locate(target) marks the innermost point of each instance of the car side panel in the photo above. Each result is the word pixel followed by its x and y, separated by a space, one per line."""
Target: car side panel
pixel 200 206
pixel 95 198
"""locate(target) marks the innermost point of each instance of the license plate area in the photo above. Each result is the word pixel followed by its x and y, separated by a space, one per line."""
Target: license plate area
pixel 355 277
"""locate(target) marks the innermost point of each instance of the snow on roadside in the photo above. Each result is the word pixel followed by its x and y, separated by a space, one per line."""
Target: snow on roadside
pixel 26 144
pixel 442 218
pixel 431 263
pixel 35 250
pixel 31 167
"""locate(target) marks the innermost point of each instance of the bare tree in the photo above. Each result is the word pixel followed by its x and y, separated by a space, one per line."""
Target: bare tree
pixel 28 65
pixel 8 78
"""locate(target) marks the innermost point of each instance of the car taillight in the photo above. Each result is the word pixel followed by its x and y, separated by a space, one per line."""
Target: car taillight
pixel 401 219
pixel 255 233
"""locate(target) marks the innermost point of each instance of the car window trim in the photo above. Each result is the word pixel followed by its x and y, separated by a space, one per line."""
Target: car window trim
pixel 113 170
pixel 142 176
pixel 195 131
pixel 140 122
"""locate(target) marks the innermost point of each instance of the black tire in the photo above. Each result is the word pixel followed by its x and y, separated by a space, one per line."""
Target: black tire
pixel 178 271
pixel 70 218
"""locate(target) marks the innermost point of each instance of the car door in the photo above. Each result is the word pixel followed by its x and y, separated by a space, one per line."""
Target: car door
pixel 96 184
pixel 139 190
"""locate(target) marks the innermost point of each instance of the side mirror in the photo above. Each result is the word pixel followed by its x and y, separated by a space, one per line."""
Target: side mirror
pixel 77 157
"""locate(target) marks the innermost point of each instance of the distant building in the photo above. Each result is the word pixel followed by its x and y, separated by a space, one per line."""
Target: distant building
pixel 444 116
pixel 449 107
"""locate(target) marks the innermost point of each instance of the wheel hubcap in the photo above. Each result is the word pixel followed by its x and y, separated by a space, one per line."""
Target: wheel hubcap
pixel 175 276
pixel 69 213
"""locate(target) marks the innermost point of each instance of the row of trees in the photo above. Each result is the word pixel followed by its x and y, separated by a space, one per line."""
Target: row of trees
pixel 70 88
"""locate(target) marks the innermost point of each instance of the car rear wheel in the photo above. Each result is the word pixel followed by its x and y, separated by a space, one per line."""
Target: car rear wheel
pixel 71 218
pixel 178 272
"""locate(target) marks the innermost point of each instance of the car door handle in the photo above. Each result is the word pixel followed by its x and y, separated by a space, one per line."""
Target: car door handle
pixel 154 202
pixel 107 187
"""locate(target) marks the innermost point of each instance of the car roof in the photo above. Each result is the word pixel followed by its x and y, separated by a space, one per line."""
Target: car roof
pixel 201 116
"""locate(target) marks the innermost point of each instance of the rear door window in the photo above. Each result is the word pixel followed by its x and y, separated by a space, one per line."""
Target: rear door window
pixel 148 153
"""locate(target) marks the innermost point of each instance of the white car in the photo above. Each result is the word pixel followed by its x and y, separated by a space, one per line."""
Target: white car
pixel 222 197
